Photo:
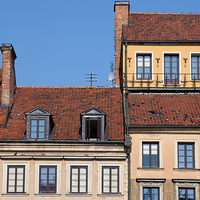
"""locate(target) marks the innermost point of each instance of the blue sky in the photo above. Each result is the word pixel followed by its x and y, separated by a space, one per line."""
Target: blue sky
pixel 58 41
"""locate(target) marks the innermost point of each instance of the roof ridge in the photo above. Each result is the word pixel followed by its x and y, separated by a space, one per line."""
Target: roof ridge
pixel 172 13
pixel 66 87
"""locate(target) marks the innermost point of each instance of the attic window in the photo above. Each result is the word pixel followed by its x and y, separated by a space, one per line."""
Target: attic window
pixel 93 124
pixel 39 124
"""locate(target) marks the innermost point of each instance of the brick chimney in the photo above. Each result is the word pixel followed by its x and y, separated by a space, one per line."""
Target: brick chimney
pixel 8 74
pixel 121 9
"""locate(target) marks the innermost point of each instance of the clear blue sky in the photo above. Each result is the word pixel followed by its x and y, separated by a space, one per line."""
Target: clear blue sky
pixel 58 41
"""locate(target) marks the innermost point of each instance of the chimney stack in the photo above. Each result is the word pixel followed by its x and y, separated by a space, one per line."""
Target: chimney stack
pixel 121 9
pixel 8 74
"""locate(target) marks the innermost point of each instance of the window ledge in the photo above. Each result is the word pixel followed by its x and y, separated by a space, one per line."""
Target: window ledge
pixel 15 194
pixel 47 194
pixel 104 195
pixel 187 169
pixel 78 194
pixel 150 168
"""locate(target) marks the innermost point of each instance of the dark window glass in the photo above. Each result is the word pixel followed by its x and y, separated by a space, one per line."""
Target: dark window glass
pixel 186 193
pixel 150 154
pixel 110 180
pixel 93 127
pixel 16 179
pixel 37 128
pixel 79 179
pixel 144 70
pixel 171 69
pixel 48 179
pixel 195 67
pixel 150 193
pixel 186 155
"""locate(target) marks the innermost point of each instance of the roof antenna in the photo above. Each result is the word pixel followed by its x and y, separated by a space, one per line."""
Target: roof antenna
pixel 91 77
pixel 111 75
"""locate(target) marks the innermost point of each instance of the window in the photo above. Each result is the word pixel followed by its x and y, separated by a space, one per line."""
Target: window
pixel 195 61
pixel 186 193
pixel 171 65
pixel 15 179
pixel 37 128
pixel 150 193
pixel 93 127
pixel 93 124
pixel 150 156
pixel 79 179
pixel 186 155
pixel 39 124
pixel 110 180
pixel 144 66
pixel 48 178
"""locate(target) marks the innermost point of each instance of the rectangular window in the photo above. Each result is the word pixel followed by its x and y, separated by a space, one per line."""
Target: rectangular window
pixel 93 128
pixel 79 179
pixel 37 128
pixel 110 180
pixel 144 66
pixel 186 193
pixel 195 61
pixel 150 193
pixel 150 156
pixel 48 179
pixel 15 179
pixel 186 155
pixel 171 75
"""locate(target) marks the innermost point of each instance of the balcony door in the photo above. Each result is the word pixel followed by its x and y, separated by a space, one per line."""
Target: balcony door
pixel 171 69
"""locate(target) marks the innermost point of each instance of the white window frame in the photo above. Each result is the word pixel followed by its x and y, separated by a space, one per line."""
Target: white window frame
pixel 159 141
pixel 187 185
pixel 121 180
pixel 163 65
pixel 196 158
pixel 152 63
pixel 150 185
pixel 191 63
pixel 5 174
pixel 89 178
pixel 38 164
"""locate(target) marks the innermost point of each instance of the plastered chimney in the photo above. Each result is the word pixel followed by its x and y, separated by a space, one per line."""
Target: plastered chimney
pixel 8 74
pixel 121 9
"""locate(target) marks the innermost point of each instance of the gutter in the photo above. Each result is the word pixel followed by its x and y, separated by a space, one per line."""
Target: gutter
pixel 162 126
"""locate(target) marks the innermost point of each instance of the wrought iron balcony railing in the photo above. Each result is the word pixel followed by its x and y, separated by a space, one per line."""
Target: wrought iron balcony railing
pixel 162 80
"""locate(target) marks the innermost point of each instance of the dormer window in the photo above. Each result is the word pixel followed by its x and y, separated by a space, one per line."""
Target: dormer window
pixel 38 128
pixel 93 124
pixel 39 124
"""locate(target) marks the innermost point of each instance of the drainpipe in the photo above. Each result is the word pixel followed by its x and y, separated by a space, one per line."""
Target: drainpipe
pixel 126 67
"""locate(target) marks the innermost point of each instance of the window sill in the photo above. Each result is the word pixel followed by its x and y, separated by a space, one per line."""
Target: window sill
pixel 150 168
pixel 187 169
pixel 47 194
pixel 104 195
pixel 78 194
pixel 15 194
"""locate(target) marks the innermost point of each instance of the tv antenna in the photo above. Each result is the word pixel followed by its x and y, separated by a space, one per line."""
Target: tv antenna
pixel 91 77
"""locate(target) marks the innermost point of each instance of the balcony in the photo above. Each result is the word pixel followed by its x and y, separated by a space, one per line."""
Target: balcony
pixel 162 81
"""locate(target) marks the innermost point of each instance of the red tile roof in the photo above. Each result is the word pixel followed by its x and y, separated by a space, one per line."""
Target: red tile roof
pixel 155 109
pixel 162 27
pixel 65 104
pixel 3 115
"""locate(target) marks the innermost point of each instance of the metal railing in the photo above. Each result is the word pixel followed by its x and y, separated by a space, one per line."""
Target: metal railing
pixel 182 80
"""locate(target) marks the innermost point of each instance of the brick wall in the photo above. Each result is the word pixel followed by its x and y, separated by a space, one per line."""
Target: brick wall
pixel 121 9
pixel 8 74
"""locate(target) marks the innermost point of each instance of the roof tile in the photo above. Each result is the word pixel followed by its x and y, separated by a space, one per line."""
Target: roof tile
pixel 162 27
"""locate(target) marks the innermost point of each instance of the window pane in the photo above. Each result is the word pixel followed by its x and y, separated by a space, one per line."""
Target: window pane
pixel 34 122
pixel 41 122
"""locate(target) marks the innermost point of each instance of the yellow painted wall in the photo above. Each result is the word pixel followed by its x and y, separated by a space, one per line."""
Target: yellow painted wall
pixel 158 52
